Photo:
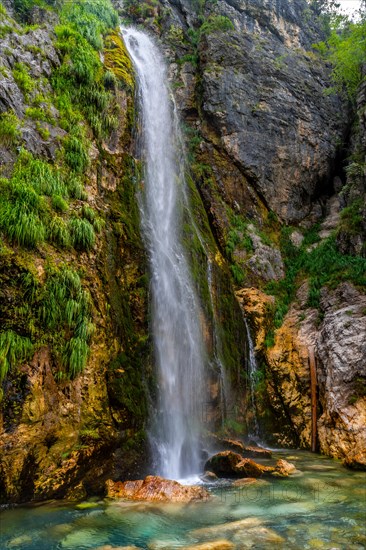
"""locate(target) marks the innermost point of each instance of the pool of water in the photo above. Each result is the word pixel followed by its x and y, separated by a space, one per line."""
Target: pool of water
pixel 322 506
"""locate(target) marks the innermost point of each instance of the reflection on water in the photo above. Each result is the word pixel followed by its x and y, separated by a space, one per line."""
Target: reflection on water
pixel 323 506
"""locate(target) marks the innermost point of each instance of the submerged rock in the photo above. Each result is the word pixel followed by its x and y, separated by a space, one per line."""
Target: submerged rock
pixel 155 489
pixel 284 468
pixel 244 481
pixel 227 528
pixel 221 544
pixel 209 476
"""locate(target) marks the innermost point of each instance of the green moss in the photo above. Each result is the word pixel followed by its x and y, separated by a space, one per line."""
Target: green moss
pixel 117 60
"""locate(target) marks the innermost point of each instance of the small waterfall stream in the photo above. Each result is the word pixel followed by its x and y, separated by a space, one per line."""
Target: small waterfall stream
pixel 179 355
pixel 252 372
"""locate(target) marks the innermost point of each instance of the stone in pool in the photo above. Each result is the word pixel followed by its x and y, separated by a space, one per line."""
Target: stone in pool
pixel 156 489
pixel 221 544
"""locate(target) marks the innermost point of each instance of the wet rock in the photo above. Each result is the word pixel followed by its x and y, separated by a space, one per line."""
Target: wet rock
pixel 284 468
pixel 224 463
pixel 356 461
pixel 245 481
pixel 255 305
pixel 230 464
pixel 341 352
pixel 209 476
pixel 233 445
pixel 155 489
pixel 256 452
pixel 247 467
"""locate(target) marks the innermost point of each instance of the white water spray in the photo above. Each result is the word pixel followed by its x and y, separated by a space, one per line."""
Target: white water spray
pixel 176 429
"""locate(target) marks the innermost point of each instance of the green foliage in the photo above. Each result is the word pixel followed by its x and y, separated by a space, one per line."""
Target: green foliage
pixel 82 234
pixel 140 10
pixel 9 129
pixel 14 350
pixel 80 82
pixel 39 113
pixel 216 23
pixel 90 18
pixel 59 204
pixel 346 50
pixel 45 178
pixel 66 308
pixel 75 356
pixel 2 9
pixel 352 218
pixel 238 274
pixel 20 211
pixel 75 188
pixel 76 154
pixel 22 78
pixel 24 8
pixel 323 265
pixel 58 232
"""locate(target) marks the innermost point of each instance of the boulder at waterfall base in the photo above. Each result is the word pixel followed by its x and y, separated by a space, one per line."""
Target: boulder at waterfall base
pixel 155 489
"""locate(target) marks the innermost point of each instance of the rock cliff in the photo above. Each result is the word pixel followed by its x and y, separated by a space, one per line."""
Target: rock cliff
pixel 267 140
pixel 280 219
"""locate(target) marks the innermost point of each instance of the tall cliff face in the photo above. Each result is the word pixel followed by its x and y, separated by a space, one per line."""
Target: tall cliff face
pixel 267 141
pixel 261 96
pixel 74 339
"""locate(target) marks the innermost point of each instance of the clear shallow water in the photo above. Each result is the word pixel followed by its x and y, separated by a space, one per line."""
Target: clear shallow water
pixel 323 506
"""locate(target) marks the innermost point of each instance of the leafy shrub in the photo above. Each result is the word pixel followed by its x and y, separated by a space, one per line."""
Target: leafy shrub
pixel 346 50
pixel 82 234
pixel 66 307
pixel 216 23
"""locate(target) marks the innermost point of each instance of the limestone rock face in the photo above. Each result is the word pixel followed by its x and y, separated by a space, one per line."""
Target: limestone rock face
pixel 155 489
pixel 341 349
pixel 262 102
pixel 339 343
pixel 263 93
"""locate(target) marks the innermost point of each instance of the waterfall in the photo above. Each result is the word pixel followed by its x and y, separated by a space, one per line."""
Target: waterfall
pixel 179 355
pixel 252 372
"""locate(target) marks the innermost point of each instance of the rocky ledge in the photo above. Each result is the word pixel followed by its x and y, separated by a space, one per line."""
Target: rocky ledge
pixel 155 489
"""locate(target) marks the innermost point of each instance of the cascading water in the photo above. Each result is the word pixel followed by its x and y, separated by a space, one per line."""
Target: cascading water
pixel 253 373
pixel 180 359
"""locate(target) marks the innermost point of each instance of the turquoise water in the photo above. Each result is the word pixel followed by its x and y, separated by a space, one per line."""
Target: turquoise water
pixel 322 506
